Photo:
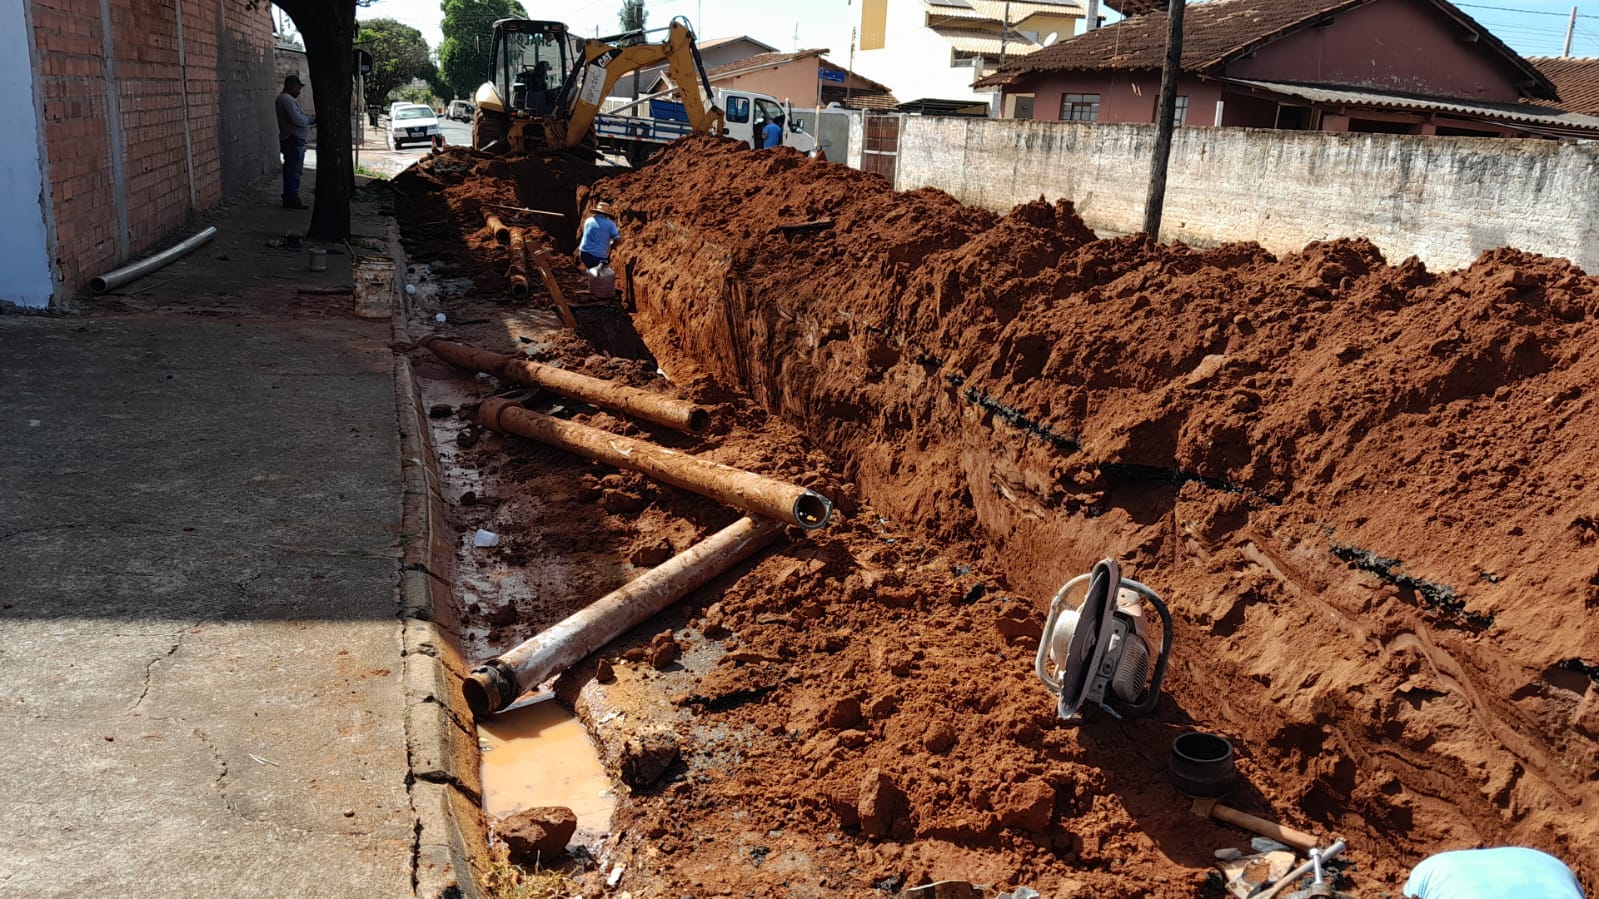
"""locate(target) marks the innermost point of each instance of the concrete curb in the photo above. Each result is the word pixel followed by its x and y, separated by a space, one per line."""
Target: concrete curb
pixel 451 851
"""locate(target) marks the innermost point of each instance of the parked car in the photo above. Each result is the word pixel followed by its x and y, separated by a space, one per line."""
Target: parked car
pixel 460 110
pixel 411 123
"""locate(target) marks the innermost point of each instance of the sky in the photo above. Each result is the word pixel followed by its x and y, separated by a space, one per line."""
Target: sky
pixel 1530 27
pixel 819 23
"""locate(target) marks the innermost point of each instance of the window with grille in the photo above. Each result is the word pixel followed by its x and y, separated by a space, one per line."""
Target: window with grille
pixel 1181 118
pixel 1079 107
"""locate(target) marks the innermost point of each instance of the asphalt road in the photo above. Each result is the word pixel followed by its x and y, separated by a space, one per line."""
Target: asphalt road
pixel 376 155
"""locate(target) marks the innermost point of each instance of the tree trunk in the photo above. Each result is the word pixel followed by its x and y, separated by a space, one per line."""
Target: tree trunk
pixel 328 29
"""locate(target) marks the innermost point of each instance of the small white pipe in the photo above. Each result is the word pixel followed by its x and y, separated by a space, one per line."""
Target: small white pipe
pixel 133 271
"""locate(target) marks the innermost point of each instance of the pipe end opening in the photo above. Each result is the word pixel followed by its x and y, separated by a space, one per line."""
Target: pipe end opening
pixel 98 285
pixel 698 420
pixel 1202 748
pixel 479 691
pixel 812 510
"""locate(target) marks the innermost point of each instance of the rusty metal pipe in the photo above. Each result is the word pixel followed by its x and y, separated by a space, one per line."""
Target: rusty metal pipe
pixel 502 234
pixel 517 273
pixel 498 682
pixel 641 404
pixel 541 261
pixel 740 489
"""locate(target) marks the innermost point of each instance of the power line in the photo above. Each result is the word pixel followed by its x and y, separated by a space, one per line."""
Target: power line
pixel 1529 12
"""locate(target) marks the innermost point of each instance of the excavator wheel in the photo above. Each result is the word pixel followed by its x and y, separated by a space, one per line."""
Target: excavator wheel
pixel 489 128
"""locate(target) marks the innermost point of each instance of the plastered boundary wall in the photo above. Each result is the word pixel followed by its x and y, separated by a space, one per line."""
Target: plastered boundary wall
pixel 1444 200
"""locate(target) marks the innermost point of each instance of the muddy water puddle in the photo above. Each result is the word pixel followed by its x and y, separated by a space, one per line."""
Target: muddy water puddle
pixel 540 755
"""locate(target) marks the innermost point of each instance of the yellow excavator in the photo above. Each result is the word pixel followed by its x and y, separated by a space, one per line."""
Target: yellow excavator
pixel 546 85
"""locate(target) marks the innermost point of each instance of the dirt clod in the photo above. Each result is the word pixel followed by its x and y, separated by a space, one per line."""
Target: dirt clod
pixel 881 806
pixel 537 833
pixel 646 757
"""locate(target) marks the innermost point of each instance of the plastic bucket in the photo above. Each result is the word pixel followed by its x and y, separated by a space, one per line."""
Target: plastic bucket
pixel 374 288
pixel 1202 764
pixel 318 259
pixel 602 281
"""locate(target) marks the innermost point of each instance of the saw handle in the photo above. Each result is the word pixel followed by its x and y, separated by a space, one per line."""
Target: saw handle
pixel 1148 705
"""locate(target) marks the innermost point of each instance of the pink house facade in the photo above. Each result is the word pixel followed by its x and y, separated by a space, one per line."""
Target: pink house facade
pixel 1388 66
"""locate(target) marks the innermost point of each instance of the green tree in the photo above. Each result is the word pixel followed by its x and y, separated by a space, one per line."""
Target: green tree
pixel 468 28
pixel 632 15
pixel 399 54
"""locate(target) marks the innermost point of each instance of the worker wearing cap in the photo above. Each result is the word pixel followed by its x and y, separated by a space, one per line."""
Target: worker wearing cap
pixel 599 235
pixel 1500 873
pixel 294 129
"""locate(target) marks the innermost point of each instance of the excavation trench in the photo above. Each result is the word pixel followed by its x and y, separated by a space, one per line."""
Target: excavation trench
pixel 1363 489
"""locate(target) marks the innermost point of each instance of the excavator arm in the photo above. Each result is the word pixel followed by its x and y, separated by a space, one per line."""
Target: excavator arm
pixel 604 64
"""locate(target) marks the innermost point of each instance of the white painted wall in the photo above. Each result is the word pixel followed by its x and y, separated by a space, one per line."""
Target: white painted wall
pixel 915 61
pixel 24 245
pixel 1445 200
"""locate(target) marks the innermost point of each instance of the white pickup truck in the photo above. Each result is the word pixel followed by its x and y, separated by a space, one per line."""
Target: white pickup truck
pixel 744 112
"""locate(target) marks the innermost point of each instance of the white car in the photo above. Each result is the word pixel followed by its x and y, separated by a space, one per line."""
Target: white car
pixel 411 123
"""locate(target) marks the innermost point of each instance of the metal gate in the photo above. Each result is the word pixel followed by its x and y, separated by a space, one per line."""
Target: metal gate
pixel 880 151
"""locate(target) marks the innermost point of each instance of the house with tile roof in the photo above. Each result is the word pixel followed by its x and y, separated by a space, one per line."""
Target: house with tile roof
pixel 714 52
pixel 1576 81
pixel 1386 66
pixel 931 51
pixel 805 78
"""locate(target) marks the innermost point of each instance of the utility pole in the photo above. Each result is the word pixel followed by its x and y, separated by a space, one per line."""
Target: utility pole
pixel 1165 119
pixel 1571 26
pixel 847 84
pixel 1004 35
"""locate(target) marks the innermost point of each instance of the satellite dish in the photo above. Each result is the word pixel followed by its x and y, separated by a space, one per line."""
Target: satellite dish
pixel 1053 37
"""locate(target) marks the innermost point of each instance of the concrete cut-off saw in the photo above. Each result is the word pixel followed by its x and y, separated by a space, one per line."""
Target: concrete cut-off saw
pixel 1097 649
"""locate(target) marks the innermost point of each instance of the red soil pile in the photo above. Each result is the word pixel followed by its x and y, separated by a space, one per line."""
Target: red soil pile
pixel 443 197
pixel 1363 488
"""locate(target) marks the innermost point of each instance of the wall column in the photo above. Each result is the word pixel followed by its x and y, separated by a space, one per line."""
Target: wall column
pixel 25 234
pixel 119 144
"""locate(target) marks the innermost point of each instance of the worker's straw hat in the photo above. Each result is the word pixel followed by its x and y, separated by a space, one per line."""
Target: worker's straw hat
pixel 602 207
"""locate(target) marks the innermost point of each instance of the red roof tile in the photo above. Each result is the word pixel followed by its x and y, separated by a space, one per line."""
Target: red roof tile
pixel 1214 33
pixel 760 61
pixel 1576 80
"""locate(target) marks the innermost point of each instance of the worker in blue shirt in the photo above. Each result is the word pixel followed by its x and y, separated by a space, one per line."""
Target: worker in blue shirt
pixel 772 134
pixel 1501 873
pixel 599 235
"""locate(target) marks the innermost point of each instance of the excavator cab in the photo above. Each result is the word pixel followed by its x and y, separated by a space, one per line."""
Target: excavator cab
pixel 548 86
pixel 531 61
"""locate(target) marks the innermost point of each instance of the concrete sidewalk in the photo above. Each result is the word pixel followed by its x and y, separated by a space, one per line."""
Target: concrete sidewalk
pixel 200 641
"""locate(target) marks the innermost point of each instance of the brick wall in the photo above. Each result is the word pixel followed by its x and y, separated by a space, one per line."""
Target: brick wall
pixel 77 143
pixel 152 110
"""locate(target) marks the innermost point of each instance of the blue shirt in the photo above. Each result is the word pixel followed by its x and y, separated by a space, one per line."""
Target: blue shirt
pixel 292 120
pixel 1502 873
pixel 771 135
pixel 598 232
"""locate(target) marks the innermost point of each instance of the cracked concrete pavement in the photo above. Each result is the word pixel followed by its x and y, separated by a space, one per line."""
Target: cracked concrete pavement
pixel 200 529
